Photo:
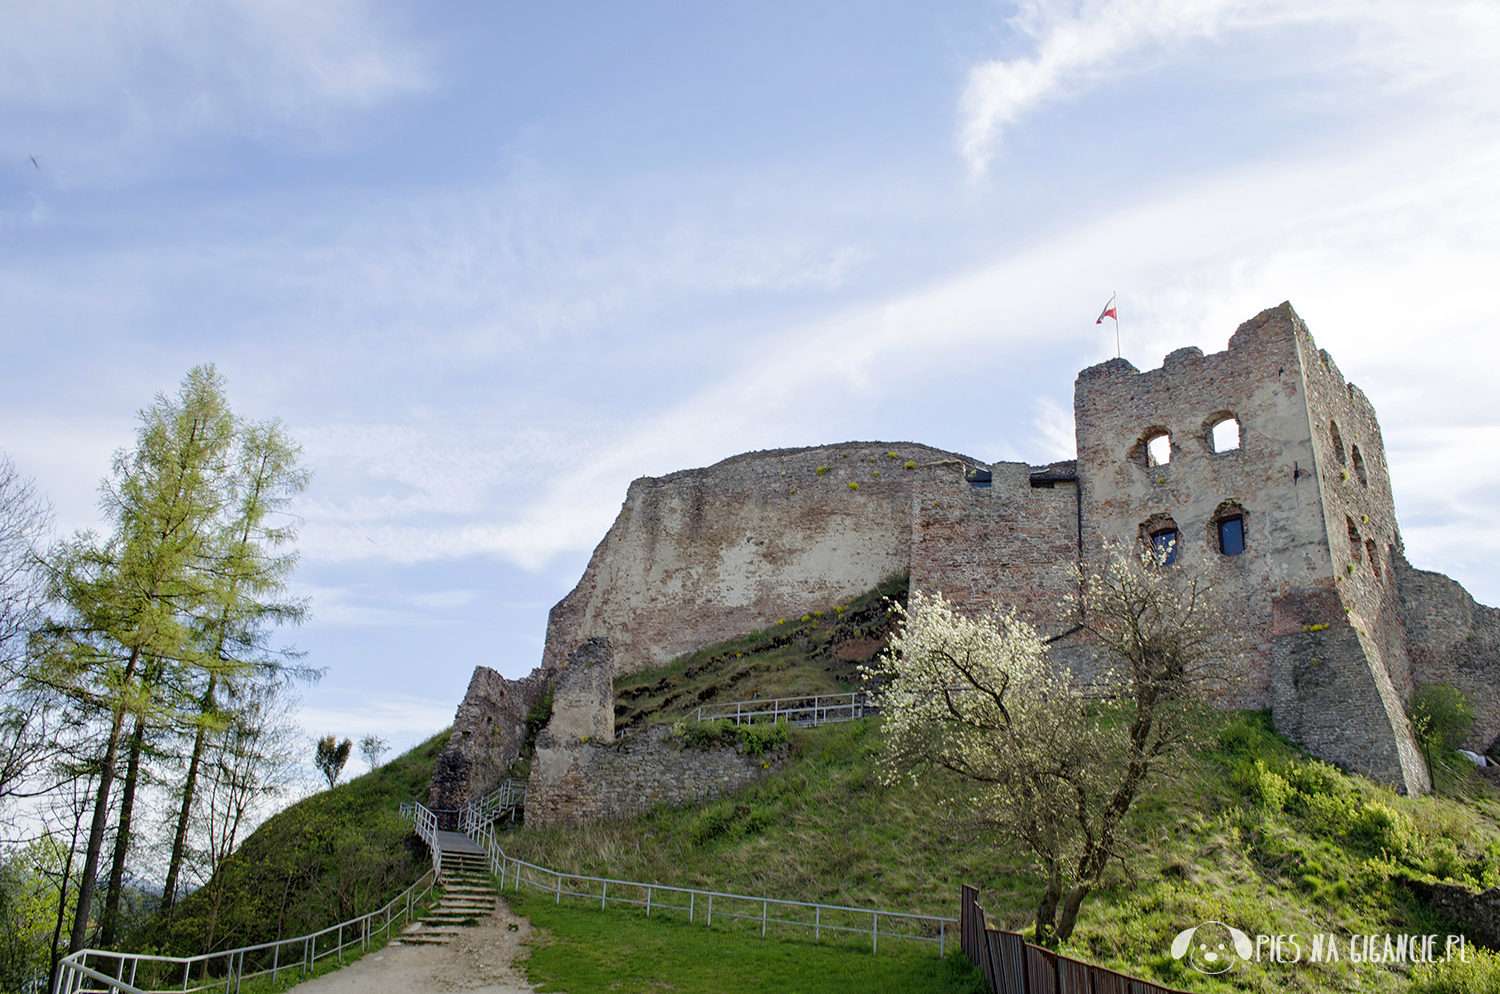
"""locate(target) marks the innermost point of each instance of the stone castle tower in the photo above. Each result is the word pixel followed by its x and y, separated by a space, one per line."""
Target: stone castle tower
pixel 1260 458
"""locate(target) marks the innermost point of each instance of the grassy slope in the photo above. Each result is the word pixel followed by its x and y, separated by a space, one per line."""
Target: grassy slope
pixel 1254 832
pixel 817 653
pixel 323 860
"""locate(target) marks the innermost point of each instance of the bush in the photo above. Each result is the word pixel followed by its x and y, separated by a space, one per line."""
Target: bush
pixel 1441 716
pixel 1383 828
pixel 1480 975
pixel 1269 789
pixel 753 740
pixel 758 739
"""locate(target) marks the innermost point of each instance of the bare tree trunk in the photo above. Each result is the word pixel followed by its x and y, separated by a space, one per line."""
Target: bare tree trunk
pixel 101 817
pixel 110 920
pixel 1046 911
pixel 179 838
pixel 1071 906
pixel 62 898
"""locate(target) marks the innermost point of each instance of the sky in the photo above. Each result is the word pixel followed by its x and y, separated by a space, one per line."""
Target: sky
pixel 489 262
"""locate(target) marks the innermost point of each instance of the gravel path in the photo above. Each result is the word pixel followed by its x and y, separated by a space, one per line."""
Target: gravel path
pixel 479 960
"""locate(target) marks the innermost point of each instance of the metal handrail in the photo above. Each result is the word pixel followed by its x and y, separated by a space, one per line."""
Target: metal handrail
pixel 74 972
pixel 508 797
pixel 425 824
pixel 810 709
pixel 509 867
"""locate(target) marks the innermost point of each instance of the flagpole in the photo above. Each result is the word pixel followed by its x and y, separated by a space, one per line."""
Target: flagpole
pixel 1115 296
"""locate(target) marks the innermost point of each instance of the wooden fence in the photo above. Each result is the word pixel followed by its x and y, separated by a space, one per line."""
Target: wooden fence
pixel 1011 965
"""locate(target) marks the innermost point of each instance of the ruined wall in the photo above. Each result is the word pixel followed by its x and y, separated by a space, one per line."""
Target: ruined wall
pixel 1452 639
pixel 488 733
pixel 593 781
pixel 1009 543
pixel 1330 689
pixel 706 554
pixel 1267 480
pixel 1359 513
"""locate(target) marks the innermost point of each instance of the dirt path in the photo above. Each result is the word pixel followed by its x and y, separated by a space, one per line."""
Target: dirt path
pixel 479 960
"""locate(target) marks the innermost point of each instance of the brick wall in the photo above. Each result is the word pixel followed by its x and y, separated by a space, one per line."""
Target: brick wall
pixel 1009 543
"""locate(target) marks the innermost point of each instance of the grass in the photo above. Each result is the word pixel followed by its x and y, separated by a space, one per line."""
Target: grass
pixel 1252 832
pixel 584 950
pixel 329 857
pixel 818 652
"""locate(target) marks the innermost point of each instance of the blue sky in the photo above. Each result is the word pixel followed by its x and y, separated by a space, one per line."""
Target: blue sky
pixel 490 262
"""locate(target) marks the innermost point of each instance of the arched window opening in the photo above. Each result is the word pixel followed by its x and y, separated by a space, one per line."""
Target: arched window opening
pixel 1159 450
pixel 1153 448
pixel 1374 553
pixel 1359 465
pixel 1166 542
pixel 1338 441
pixel 1232 535
pixel 1227 435
pixel 1356 547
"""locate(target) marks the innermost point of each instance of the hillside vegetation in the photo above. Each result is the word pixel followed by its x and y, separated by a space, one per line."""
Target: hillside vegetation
pixel 1254 832
pixel 815 653
pixel 325 859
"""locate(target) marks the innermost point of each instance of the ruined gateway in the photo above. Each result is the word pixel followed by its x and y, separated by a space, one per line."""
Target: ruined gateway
pixel 1299 514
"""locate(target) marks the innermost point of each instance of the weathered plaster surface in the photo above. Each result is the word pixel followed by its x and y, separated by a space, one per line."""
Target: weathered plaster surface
pixel 706 554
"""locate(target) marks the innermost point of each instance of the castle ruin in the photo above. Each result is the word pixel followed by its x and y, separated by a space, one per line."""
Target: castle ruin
pixel 1260 458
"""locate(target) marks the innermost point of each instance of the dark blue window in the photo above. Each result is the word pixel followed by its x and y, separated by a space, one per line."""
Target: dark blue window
pixel 1165 543
pixel 1232 536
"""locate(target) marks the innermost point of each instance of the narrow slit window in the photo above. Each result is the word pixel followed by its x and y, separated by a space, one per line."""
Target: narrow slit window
pixel 1356 547
pixel 1226 435
pixel 1374 553
pixel 1232 536
pixel 1338 441
pixel 1159 450
pixel 1166 544
pixel 1359 465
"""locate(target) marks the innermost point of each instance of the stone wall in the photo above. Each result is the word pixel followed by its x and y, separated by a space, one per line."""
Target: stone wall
pixel 1334 692
pixel 1336 629
pixel 1009 543
pixel 488 733
pixel 1454 640
pixel 707 554
pixel 587 782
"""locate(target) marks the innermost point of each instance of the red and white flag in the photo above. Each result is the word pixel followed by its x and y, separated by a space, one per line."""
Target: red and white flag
pixel 1109 311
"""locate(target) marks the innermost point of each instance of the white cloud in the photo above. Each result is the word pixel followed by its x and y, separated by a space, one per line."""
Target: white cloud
pixel 1388 45
pixel 134 76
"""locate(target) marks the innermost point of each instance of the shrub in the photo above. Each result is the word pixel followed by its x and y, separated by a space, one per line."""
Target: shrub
pixel 758 739
pixel 1480 975
pixel 821 470
pixel 1270 790
pixel 1441 716
pixel 1384 828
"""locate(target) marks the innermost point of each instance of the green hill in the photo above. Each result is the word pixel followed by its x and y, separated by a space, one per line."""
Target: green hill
pixel 1254 832
pixel 325 859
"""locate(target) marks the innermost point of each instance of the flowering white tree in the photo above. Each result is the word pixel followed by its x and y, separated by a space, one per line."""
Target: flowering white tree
pixel 1054 763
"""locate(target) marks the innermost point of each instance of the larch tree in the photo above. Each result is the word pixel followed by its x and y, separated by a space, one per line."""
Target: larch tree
pixel 251 561
pixel 1052 760
pixel 176 603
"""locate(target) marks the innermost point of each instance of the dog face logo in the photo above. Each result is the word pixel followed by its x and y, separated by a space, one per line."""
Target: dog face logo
pixel 1210 947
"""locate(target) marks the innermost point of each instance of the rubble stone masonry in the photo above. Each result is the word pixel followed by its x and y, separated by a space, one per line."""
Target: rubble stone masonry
pixel 1336 628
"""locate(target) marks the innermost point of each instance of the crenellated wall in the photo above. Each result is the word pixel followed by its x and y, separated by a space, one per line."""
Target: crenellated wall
pixel 1337 629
